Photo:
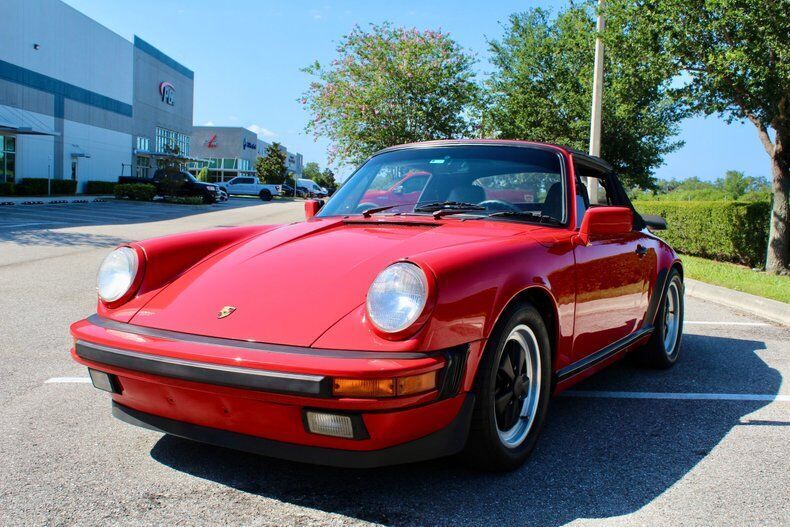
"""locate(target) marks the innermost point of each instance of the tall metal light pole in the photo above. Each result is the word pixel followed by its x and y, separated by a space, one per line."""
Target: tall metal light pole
pixel 595 117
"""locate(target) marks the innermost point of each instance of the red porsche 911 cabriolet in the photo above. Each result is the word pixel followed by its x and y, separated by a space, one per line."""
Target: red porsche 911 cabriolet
pixel 444 324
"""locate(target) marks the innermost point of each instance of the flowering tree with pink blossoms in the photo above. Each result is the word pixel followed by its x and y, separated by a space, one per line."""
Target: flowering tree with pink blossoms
pixel 389 86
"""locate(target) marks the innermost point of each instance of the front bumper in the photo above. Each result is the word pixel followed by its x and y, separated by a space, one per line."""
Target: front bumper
pixel 253 396
pixel 447 441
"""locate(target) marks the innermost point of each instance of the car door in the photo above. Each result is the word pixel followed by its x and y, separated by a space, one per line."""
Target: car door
pixel 244 185
pixel 611 283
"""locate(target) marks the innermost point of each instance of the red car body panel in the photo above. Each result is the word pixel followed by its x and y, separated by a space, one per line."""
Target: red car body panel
pixel 593 295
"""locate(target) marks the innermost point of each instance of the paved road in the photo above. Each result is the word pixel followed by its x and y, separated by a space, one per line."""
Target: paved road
pixel 707 443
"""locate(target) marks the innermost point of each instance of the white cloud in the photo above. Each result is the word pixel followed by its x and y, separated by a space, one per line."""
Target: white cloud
pixel 260 131
pixel 208 123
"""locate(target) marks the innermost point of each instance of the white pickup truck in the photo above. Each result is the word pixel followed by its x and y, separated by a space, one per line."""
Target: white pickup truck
pixel 250 186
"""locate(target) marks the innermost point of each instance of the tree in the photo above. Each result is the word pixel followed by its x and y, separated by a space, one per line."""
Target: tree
pixel 734 54
pixel 311 171
pixel 389 86
pixel 171 159
pixel 202 175
pixel 327 179
pixel 541 88
pixel 271 167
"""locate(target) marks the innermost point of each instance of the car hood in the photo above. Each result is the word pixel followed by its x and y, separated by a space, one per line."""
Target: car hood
pixel 290 285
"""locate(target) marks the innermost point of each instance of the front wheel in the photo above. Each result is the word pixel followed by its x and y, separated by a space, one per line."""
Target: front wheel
pixel 265 195
pixel 513 388
pixel 663 348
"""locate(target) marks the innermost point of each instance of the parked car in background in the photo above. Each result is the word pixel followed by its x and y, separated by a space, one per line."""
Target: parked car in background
pixel 444 324
pixel 405 190
pixel 181 184
pixel 313 189
pixel 288 190
pixel 250 186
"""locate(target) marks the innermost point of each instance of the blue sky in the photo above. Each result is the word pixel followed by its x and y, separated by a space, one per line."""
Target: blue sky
pixel 246 56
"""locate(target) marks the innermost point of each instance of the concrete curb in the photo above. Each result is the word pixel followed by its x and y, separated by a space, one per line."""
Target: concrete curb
pixel 772 310
pixel 13 200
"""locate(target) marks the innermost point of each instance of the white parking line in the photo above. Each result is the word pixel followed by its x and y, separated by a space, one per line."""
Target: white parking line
pixel 68 380
pixel 678 396
pixel 714 323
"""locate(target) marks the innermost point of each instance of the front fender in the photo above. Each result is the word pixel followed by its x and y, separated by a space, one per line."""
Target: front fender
pixel 167 257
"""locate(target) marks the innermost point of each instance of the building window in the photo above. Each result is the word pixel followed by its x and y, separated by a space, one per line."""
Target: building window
pixel 142 166
pixel 7 159
pixel 143 144
pixel 166 139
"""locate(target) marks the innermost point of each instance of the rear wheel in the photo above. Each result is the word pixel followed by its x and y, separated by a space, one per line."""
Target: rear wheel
pixel 513 387
pixel 663 348
pixel 265 195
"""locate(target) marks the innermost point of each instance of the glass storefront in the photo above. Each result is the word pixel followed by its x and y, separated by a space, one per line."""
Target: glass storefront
pixel 168 138
pixel 142 166
pixel 7 159
pixel 222 169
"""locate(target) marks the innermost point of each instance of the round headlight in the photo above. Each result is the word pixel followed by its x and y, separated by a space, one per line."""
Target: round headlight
pixel 116 274
pixel 397 297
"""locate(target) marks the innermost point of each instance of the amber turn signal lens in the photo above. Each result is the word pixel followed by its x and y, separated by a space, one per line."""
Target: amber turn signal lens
pixel 384 387
pixel 417 383
pixel 364 387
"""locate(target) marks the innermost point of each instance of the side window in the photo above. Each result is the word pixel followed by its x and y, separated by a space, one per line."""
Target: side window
pixel 605 196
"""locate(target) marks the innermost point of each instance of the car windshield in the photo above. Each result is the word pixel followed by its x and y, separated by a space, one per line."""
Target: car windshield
pixel 518 182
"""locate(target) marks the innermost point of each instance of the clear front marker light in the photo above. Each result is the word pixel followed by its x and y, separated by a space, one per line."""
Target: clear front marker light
pixel 397 297
pixel 330 424
pixel 116 274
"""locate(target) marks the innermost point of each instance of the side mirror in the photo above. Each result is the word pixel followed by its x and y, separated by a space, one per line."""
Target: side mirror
pixel 311 207
pixel 398 190
pixel 655 223
pixel 603 221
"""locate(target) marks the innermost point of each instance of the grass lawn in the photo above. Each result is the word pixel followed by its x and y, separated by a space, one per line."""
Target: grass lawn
pixel 737 277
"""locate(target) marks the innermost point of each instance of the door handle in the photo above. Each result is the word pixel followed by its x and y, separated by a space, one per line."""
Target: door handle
pixel 641 250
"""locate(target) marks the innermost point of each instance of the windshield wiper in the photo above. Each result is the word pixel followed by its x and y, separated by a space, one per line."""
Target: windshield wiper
pixel 446 205
pixel 535 216
pixel 370 212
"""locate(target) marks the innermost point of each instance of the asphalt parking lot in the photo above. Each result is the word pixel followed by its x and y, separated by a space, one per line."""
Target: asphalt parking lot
pixel 706 443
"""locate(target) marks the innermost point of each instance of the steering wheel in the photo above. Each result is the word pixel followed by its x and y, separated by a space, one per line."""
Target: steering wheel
pixel 497 205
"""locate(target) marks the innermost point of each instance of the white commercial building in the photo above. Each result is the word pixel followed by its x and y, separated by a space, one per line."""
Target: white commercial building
pixel 80 102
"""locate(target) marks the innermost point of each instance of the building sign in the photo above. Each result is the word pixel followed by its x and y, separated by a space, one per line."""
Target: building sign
pixel 247 144
pixel 168 93
pixel 212 142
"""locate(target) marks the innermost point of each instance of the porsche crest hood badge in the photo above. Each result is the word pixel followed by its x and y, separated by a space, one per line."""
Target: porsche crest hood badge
pixel 226 311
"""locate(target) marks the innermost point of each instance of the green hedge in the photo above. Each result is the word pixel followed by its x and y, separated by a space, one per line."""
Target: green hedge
pixel 135 191
pixel 185 200
pixel 100 187
pixel 31 187
pixel 723 230
pixel 63 186
pixel 6 189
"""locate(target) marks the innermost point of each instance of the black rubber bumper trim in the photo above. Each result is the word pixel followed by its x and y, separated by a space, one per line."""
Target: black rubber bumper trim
pixel 591 360
pixel 166 334
pixel 217 374
pixel 447 441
